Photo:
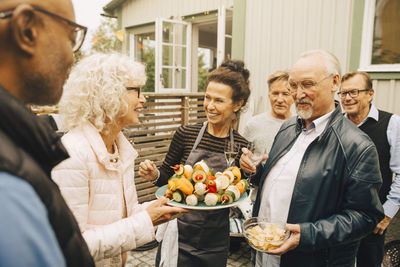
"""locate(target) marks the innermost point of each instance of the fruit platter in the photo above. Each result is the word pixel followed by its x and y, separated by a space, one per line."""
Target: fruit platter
pixel 197 187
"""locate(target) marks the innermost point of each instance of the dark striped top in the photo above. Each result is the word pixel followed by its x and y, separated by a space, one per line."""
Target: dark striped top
pixel 182 144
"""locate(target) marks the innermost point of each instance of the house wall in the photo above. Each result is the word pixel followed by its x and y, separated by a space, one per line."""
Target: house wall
pixel 136 12
pixel 387 95
pixel 278 31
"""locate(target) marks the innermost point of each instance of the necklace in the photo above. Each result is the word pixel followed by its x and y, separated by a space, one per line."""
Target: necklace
pixel 115 156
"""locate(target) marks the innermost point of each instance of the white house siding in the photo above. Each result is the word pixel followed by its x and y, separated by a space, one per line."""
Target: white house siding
pixel 136 12
pixel 387 95
pixel 278 31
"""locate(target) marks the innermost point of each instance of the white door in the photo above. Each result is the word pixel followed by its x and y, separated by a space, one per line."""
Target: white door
pixel 173 56
pixel 224 36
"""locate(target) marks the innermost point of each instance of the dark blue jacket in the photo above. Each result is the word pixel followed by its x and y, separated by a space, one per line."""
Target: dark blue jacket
pixel 29 149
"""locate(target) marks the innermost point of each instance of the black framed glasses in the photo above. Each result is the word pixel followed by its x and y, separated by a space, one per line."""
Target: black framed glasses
pixel 352 93
pixel 137 89
pixel 79 30
pixel 305 84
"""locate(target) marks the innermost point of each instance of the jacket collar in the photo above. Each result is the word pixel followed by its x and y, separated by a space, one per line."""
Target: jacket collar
pixel 27 131
pixel 127 154
pixel 335 115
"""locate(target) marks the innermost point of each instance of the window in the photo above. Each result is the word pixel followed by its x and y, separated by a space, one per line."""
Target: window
pixel 205 65
pixel 144 52
pixel 381 36
pixel 173 39
pixel 142 49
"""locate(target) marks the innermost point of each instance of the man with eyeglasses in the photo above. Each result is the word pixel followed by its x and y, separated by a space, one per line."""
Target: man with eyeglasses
pixel 322 175
pixel 384 129
pixel 38 39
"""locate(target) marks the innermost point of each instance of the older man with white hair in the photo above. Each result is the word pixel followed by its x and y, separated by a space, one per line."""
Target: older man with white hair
pixel 322 175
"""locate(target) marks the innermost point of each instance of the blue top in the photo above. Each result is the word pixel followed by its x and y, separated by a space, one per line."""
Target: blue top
pixel 26 236
pixel 392 204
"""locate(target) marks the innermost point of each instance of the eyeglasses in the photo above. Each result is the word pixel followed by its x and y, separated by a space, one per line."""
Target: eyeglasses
pixel 305 85
pixel 79 30
pixel 138 89
pixel 353 93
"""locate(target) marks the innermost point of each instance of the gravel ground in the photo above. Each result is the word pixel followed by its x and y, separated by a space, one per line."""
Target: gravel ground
pixel 238 258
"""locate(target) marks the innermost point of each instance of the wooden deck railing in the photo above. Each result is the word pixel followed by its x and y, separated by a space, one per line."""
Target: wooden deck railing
pixel 162 115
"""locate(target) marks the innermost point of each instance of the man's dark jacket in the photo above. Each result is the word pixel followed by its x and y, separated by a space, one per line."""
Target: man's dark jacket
pixel 29 149
pixel 335 197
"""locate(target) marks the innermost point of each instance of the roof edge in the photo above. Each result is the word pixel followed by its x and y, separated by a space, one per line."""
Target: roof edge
pixel 111 6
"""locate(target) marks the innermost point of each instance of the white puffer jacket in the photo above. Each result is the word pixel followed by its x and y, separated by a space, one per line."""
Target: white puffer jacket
pixel 100 195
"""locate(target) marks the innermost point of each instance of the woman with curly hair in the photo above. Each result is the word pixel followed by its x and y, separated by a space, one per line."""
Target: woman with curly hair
pixel 101 97
pixel 201 238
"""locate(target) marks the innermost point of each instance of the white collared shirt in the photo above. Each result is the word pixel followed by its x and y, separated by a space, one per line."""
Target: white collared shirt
pixel 279 184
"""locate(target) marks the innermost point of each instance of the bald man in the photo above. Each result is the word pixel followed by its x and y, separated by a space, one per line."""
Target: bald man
pixel 38 39
pixel 322 175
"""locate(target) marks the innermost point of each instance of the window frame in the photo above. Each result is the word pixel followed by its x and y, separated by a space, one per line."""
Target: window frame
pixel 367 41
pixel 159 22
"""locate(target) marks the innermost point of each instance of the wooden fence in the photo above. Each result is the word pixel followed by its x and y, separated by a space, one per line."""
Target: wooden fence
pixel 162 115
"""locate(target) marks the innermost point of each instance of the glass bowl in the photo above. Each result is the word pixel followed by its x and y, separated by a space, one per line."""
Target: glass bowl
pixel 263 235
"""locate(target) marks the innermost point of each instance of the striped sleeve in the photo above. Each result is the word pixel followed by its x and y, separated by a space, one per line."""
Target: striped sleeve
pixel 173 157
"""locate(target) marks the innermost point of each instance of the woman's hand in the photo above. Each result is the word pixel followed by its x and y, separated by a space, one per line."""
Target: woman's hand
pixel 160 212
pixel 148 170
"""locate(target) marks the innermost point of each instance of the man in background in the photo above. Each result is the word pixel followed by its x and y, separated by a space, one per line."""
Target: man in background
pixel 262 128
pixel 384 129
pixel 281 101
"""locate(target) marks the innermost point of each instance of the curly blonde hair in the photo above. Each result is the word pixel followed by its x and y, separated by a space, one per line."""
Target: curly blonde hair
pixel 96 91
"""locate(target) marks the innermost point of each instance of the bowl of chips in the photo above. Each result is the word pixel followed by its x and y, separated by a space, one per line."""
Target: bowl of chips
pixel 263 235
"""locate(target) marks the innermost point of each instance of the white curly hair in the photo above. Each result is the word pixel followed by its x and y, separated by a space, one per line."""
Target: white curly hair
pixel 96 91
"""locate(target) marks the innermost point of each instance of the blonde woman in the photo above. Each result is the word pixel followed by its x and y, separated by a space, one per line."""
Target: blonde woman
pixel 101 97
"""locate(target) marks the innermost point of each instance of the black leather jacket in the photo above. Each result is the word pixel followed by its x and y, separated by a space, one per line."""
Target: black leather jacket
pixel 335 197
